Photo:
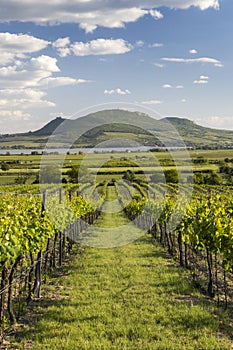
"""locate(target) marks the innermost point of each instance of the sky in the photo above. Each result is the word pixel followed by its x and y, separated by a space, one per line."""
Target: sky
pixel 58 57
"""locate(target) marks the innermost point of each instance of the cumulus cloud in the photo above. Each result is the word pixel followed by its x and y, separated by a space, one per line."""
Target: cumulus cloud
pixel 204 79
pixel 61 42
pixel 21 83
pixel 23 98
pixel 16 46
pixel 217 121
pixel 117 91
pixel 15 115
pixel 91 14
pixel 139 43
pixel 95 47
pixel 36 72
pixel 159 65
pixel 169 86
pixel 151 102
pixel 101 47
pixel 61 45
pixel 211 60
pixel 156 14
pixel 193 51
pixel 15 120
pixel 28 74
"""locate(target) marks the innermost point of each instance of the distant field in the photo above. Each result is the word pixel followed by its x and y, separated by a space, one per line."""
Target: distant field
pixel 147 161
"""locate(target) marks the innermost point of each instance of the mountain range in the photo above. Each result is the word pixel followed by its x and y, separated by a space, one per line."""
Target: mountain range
pixel 117 127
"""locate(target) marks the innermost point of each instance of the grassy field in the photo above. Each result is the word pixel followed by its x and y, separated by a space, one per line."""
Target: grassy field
pixel 128 297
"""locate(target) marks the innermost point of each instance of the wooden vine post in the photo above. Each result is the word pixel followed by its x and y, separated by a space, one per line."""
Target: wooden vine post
pixel 38 279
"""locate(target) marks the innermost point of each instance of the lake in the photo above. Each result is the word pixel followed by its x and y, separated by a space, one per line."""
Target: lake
pixel 76 150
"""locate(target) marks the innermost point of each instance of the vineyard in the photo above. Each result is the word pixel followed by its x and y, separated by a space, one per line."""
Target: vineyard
pixel 39 229
pixel 201 239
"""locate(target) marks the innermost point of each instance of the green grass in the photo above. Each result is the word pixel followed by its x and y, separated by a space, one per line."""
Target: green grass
pixel 129 297
pixel 112 228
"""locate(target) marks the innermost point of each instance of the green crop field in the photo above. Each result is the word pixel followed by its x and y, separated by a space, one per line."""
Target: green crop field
pixel 99 162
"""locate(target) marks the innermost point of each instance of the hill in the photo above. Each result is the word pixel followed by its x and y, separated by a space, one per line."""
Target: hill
pixel 116 126
pixel 195 134
pixel 48 129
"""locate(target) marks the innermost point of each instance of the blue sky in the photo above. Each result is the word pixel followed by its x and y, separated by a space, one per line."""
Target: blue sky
pixel 171 56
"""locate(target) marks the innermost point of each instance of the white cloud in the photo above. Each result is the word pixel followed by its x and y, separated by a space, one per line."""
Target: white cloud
pixel 220 65
pixel 15 120
pixel 88 27
pixel 169 86
pixel 193 60
pixel 200 81
pixel 61 42
pixel 159 65
pixel 15 115
pixel 139 43
pixel 155 45
pixel 61 45
pixel 117 91
pixel 183 100
pixel 23 98
pixel 63 51
pixel 62 81
pixel 217 121
pixel 28 74
pixel 21 42
pixel 193 51
pixel 90 14
pixel 151 102
pixel 21 83
pixel 101 47
pixel 156 14
pixel 204 79
pixel 16 46
pixel 36 72
pixel 44 63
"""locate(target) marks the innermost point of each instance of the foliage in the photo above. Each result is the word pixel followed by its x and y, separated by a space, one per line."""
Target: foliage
pixel 50 174
pixel 25 230
pixel 171 176
pixel 200 160
pixel 210 178
pixel 129 175
pixel 79 174
pixel 5 166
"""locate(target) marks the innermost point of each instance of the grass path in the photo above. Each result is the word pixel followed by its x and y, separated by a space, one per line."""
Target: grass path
pixel 129 297
pixel 112 229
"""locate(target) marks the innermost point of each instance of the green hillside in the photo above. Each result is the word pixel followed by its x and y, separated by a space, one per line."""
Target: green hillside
pixel 115 125
pixel 195 133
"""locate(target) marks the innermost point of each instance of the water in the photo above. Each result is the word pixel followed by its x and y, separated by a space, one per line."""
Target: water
pixel 75 150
